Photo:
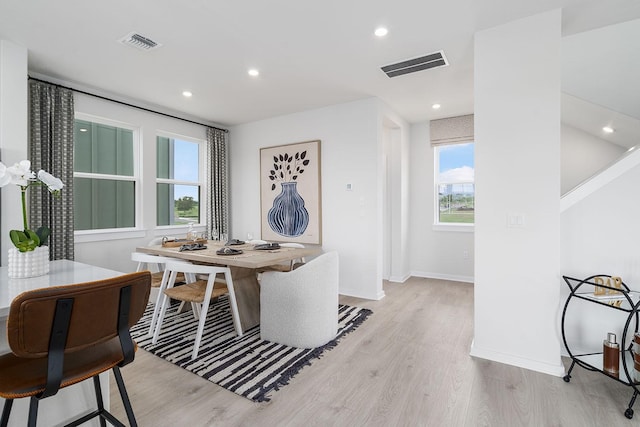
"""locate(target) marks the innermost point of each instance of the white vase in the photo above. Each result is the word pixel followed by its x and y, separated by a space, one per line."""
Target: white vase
pixel 28 264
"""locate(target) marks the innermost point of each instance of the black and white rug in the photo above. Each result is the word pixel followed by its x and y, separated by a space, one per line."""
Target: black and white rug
pixel 245 365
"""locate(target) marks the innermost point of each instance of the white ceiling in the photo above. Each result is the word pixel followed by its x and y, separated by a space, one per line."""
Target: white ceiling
pixel 310 54
pixel 601 84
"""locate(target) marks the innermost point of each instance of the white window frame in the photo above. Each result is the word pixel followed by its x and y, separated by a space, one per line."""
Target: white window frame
pixel 445 226
pixel 202 152
pixel 83 236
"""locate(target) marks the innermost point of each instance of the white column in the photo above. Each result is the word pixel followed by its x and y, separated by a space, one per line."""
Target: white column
pixel 517 128
pixel 13 133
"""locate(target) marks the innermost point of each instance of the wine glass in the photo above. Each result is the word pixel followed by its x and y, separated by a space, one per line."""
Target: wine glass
pixel 215 235
pixel 250 236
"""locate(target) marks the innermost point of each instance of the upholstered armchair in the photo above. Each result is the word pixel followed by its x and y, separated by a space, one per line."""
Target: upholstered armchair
pixel 300 308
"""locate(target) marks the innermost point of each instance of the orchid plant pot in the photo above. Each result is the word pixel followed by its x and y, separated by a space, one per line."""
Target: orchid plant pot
pixel 33 263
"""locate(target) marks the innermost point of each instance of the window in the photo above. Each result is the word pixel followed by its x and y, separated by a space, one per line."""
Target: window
pixel 178 181
pixel 455 188
pixel 105 176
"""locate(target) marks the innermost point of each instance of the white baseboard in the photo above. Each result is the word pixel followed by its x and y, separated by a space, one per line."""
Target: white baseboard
pixel 428 275
pixel 399 279
pixel 352 293
pixel 509 359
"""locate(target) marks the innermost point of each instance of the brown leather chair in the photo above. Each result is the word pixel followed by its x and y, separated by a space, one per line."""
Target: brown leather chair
pixel 62 335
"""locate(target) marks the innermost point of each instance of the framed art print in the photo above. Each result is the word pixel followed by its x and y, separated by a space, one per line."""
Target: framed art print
pixel 290 204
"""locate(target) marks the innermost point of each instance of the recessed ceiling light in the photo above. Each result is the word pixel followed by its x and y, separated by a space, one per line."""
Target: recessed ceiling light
pixel 381 31
pixel 187 94
pixel 436 106
pixel 83 129
pixel 253 72
pixel 608 129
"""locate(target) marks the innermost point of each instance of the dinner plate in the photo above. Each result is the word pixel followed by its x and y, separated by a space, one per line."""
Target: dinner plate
pixel 228 251
pixel 192 247
pixel 267 246
pixel 234 242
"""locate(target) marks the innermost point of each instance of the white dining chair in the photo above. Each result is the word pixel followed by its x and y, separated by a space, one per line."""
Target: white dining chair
pixel 295 263
pixel 199 293
pixel 159 278
pixel 292 265
pixel 153 263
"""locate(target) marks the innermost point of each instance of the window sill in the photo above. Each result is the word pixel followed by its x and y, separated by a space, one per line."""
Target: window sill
pixel 459 228
pixel 87 236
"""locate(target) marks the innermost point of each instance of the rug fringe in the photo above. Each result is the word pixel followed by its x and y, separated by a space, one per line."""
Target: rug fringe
pixel 316 353
pixel 247 366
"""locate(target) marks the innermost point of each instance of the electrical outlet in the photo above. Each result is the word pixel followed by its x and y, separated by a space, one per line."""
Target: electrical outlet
pixel 515 220
pixel 465 254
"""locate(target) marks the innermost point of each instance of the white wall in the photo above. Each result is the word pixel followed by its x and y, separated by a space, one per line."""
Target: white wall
pixel 394 203
pixel 433 253
pixel 583 155
pixel 13 148
pixel 351 153
pixel 517 129
pixel 113 250
pixel 13 134
pixel 599 235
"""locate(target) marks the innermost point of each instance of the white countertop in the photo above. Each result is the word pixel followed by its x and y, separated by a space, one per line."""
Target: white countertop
pixel 78 399
pixel 61 272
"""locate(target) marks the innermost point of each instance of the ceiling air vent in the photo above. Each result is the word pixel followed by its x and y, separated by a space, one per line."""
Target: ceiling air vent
pixel 432 60
pixel 139 42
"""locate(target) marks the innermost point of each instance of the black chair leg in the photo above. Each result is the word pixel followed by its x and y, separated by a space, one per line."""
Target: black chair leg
pixel 6 412
pixel 125 397
pixel 99 401
pixel 33 411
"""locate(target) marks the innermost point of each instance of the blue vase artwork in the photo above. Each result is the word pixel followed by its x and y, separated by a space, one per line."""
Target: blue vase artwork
pixel 288 217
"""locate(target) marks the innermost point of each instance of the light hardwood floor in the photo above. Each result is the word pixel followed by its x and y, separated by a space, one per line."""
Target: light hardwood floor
pixel 407 365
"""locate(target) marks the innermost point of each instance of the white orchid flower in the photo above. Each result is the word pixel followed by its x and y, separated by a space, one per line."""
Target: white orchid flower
pixel 54 184
pixel 21 173
pixel 5 176
pixel 26 240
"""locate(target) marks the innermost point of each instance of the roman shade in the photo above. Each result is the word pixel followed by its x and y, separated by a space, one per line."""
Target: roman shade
pixel 452 130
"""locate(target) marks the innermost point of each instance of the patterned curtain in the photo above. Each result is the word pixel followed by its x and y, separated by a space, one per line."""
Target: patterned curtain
pixel 217 182
pixel 51 118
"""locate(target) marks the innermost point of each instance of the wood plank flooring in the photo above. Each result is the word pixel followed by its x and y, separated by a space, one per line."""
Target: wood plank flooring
pixel 407 365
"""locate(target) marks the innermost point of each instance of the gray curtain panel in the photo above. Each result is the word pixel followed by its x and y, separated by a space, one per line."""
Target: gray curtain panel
pixel 51 115
pixel 217 182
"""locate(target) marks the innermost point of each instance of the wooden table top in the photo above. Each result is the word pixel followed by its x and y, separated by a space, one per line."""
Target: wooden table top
pixel 250 258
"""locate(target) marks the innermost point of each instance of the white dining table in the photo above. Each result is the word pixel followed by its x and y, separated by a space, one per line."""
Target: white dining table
pixel 70 402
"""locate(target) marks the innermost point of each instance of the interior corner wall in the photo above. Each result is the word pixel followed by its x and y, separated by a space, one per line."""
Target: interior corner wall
pixel 350 154
pixel 517 129
pixel 13 133
pixel 433 253
pixel 393 180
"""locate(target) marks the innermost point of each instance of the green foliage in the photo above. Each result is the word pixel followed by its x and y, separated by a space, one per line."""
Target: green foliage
pixel 185 203
pixel 25 241
pixel 457 217
pixel 456 208
pixel 43 234
pixel 28 240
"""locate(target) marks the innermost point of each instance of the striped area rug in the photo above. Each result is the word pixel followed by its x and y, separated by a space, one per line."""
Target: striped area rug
pixel 247 366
